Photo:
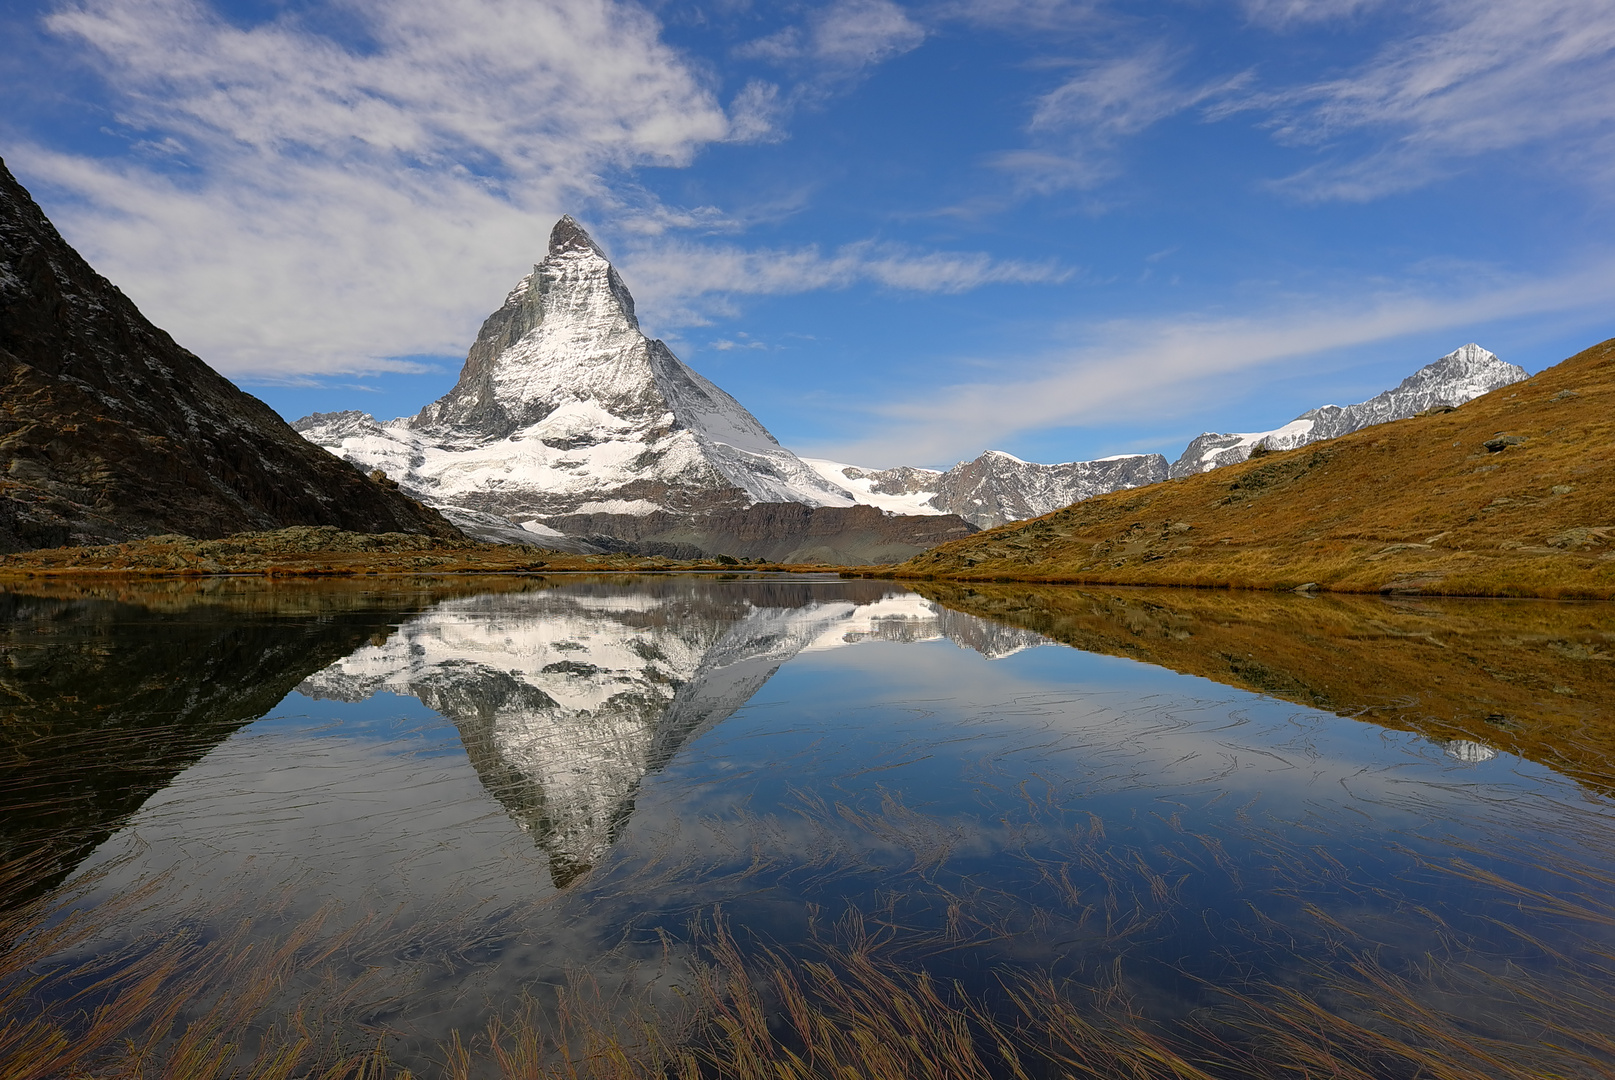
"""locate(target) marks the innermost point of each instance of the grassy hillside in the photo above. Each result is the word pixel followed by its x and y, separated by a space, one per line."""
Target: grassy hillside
pixel 1417 505
pixel 322 551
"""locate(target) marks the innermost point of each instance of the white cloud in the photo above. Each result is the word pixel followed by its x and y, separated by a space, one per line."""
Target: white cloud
pixel 317 205
pixel 1139 371
pixel 1290 12
pixel 837 44
pixel 679 278
pixel 1034 16
pixel 1078 127
pixel 757 113
pixel 856 34
pixel 1473 77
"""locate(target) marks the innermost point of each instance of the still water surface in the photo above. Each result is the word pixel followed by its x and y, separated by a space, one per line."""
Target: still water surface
pixel 491 793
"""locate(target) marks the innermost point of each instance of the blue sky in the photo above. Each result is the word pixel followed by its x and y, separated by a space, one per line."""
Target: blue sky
pixel 899 234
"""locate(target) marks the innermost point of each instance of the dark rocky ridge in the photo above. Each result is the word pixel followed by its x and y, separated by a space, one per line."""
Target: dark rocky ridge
pixel 109 430
pixel 777 532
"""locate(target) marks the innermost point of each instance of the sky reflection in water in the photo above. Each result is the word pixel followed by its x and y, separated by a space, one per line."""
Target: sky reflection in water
pixel 517 784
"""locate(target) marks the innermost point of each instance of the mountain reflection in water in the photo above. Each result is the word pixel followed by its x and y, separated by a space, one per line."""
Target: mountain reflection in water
pixel 565 699
pixel 1274 834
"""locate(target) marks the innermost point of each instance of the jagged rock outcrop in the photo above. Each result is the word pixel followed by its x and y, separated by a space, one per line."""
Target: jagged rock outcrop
pixel 996 487
pixel 109 430
pixel 565 407
pixel 1462 375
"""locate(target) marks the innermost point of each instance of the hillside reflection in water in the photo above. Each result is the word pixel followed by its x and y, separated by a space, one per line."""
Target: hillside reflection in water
pixel 488 790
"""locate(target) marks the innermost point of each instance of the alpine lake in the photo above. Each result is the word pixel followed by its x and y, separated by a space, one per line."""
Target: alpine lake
pixel 795 826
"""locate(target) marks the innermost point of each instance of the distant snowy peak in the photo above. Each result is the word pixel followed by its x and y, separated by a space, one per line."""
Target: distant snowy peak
pixel 564 405
pixel 995 488
pixel 1462 375
pixel 903 490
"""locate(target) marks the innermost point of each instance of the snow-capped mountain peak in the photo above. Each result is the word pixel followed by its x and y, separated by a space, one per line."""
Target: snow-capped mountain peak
pixel 564 406
pixel 1462 375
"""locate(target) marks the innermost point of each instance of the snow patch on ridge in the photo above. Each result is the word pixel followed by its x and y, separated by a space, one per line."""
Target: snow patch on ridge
pixel 1462 375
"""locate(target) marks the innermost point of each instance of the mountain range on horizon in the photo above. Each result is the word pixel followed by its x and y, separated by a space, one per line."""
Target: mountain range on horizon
pixel 568 428
pixel 567 419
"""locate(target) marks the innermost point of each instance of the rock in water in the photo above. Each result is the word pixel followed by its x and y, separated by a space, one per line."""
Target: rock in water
pixel 564 407
pixel 1462 375
pixel 109 430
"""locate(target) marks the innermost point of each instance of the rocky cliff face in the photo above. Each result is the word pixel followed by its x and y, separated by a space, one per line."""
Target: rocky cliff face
pixel 565 407
pixel 996 487
pixel 1462 375
pixel 109 430
pixel 567 699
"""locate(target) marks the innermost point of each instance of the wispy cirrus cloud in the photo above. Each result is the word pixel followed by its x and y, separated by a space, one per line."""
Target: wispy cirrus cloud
pixel 1471 78
pixel 1141 371
pixel 1455 81
pixel 1079 127
pixel 685 281
pixel 1286 13
pixel 841 39
pixel 829 51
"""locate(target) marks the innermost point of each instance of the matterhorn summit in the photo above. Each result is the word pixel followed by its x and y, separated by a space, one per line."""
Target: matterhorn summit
pixel 565 407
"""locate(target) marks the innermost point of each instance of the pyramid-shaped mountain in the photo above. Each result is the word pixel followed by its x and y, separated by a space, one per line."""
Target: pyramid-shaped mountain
pixel 564 407
pixel 110 431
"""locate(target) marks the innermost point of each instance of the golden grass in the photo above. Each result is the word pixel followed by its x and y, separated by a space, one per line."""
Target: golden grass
pixel 1417 505
pixel 860 1001
pixel 307 552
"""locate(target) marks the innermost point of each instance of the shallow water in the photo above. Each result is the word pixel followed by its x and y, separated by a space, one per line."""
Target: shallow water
pixel 490 793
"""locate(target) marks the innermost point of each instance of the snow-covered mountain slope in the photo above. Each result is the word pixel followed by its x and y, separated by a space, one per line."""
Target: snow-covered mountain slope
pixel 1461 375
pixel 999 487
pixel 903 490
pixel 994 488
pixel 565 407
pixel 567 698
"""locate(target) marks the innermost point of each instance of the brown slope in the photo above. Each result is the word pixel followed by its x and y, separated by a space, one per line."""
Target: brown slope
pixel 109 430
pixel 1417 505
